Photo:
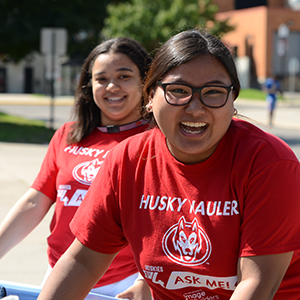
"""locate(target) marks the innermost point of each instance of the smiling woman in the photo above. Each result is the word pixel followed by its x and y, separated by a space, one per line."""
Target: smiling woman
pixel 208 203
pixel 108 109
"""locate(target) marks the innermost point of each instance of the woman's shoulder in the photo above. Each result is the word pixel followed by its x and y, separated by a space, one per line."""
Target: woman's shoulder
pixel 137 143
pixel 253 140
pixel 136 140
pixel 64 129
pixel 62 132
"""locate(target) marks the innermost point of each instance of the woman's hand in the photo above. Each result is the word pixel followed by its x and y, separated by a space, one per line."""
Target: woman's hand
pixel 138 291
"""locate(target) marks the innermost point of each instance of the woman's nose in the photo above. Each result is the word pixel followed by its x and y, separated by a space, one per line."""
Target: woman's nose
pixel 195 106
pixel 112 85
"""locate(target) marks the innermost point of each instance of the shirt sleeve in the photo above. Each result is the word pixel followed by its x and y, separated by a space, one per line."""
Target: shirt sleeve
pixel 102 230
pixel 270 221
pixel 45 182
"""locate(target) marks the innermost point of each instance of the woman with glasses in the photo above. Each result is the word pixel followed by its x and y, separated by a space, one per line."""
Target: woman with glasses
pixel 208 203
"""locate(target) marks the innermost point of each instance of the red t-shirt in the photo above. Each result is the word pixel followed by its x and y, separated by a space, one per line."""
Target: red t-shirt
pixel 65 176
pixel 189 224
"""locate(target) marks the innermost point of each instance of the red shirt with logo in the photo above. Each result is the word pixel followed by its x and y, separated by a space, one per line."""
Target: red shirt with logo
pixel 65 177
pixel 189 224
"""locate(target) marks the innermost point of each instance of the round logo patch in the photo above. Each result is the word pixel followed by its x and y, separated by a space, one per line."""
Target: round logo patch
pixel 186 243
pixel 86 172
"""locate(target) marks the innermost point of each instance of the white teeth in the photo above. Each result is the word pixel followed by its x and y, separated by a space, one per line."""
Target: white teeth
pixel 193 132
pixel 194 124
pixel 199 125
pixel 115 99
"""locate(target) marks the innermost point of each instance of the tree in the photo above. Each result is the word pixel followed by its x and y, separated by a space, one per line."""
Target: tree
pixel 21 22
pixel 153 22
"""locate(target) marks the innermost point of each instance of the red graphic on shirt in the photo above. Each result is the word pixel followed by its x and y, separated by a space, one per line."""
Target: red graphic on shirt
pixel 86 172
pixel 186 243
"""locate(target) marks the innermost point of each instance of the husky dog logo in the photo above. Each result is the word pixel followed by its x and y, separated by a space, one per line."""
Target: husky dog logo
pixel 186 243
pixel 86 172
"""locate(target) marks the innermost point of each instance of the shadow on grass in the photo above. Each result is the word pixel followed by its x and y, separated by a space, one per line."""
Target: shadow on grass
pixel 25 133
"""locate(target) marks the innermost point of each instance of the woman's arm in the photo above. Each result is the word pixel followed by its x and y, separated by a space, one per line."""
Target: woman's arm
pixel 24 216
pixel 259 277
pixel 75 273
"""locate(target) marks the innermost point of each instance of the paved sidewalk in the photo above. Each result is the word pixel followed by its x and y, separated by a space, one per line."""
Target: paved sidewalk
pixel 32 99
pixel 286 114
pixel 19 164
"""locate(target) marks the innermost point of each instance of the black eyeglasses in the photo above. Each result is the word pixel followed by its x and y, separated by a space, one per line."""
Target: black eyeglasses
pixel 179 94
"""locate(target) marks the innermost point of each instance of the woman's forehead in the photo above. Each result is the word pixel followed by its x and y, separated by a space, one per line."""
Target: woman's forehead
pixel 202 69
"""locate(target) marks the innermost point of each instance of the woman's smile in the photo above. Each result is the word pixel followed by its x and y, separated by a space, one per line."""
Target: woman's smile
pixel 193 128
pixel 115 100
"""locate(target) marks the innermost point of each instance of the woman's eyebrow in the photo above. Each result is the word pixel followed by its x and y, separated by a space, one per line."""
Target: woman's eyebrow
pixel 215 82
pixel 124 69
pixel 118 70
pixel 212 82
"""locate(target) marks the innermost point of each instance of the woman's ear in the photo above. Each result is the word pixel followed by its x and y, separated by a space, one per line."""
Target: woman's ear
pixel 150 103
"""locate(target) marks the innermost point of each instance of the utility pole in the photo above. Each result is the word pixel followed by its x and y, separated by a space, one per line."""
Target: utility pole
pixel 53 45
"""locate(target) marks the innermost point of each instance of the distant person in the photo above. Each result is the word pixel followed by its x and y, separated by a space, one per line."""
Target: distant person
pixel 272 87
pixel 108 109
pixel 208 203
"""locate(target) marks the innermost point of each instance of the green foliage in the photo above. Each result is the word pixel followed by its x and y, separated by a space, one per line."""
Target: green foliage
pixel 19 130
pixel 150 22
pixel 21 22
pixel 153 22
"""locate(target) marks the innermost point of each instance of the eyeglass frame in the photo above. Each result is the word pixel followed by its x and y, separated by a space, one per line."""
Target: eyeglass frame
pixel 195 90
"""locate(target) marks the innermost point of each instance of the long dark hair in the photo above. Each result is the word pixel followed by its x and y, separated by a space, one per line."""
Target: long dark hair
pixel 85 111
pixel 182 48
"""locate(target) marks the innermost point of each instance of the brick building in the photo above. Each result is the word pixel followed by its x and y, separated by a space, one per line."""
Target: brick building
pixel 262 48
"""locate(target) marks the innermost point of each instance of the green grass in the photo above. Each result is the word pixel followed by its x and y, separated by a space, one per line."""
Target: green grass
pixel 20 130
pixel 252 94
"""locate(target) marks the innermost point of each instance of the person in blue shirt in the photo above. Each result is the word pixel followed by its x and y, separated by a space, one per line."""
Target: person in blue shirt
pixel 272 86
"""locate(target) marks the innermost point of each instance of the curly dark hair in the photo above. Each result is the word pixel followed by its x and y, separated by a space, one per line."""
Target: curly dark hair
pixel 85 111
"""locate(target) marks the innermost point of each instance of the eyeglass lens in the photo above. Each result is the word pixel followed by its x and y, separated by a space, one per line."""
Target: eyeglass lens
pixel 213 96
